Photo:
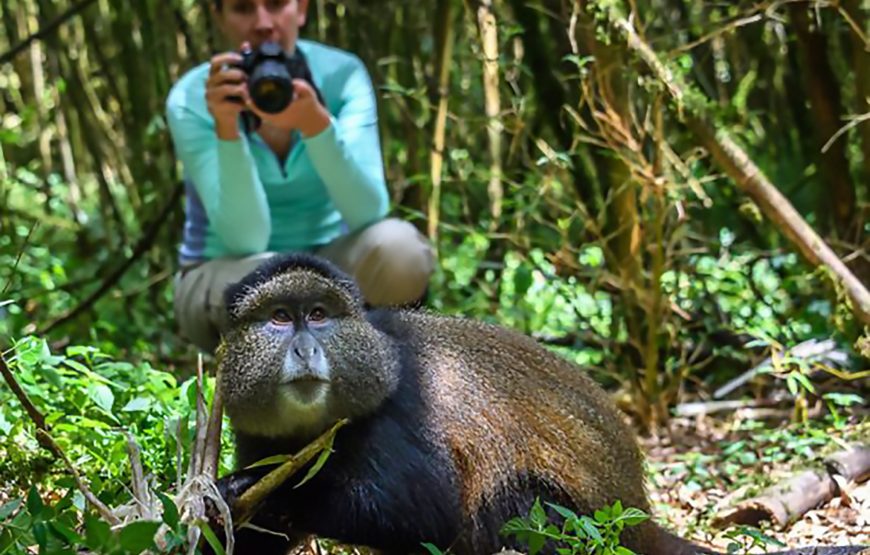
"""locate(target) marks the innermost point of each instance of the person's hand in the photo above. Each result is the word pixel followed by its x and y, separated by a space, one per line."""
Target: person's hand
pixel 304 113
pixel 226 94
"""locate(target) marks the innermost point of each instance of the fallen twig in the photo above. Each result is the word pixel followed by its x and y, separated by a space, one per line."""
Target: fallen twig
pixel 789 500
pixel 710 407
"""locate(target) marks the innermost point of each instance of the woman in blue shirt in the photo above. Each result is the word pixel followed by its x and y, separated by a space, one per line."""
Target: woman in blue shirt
pixel 310 178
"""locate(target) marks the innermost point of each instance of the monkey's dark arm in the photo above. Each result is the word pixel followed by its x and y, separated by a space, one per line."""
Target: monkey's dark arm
pixel 232 486
pixel 376 488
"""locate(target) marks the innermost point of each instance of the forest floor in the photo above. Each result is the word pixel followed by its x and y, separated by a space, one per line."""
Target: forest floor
pixel 704 466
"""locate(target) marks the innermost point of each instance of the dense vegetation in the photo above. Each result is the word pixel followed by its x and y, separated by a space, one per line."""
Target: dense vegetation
pixel 571 192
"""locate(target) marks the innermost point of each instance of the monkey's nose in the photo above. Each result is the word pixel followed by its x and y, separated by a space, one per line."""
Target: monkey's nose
pixel 305 352
pixel 304 347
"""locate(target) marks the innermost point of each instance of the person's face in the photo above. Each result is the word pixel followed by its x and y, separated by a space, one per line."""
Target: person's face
pixel 258 21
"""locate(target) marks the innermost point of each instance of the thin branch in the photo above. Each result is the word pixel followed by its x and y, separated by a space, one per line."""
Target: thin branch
pixel 19 255
pixel 29 407
pixel 853 122
pixel 198 451
pixel 213 437
pixel 748 177
pixel 728 26
pixel 45 439
pixel 46 30
pixel 141 248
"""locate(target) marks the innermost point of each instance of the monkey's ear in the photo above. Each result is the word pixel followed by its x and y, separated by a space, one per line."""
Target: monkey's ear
pixel 237 294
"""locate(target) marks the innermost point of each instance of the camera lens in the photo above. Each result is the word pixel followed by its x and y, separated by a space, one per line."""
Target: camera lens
pixel 271 87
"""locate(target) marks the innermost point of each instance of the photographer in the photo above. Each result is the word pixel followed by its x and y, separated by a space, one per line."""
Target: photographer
pixel 308 178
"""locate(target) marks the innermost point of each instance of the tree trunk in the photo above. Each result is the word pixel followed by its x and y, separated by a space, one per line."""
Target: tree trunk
pixel 824 96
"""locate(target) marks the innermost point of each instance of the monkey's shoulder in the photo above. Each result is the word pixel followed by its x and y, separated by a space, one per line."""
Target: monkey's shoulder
pixel 427 329
pixel 473 351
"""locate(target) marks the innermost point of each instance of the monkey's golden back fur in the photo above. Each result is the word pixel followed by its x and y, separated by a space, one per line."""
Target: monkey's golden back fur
pixel 506 405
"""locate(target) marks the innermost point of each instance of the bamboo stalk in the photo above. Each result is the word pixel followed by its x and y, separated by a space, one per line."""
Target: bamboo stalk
pixel 444 31
pixel 747 176
pixel 488 32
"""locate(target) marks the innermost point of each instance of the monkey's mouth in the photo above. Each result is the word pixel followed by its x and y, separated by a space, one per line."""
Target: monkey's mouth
pixel 306 389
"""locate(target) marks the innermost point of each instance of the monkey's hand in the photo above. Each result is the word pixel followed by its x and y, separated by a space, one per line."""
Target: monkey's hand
pixel 234 485
pixel 231 488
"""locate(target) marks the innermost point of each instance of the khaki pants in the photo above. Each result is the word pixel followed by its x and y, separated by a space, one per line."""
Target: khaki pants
pixel 390 260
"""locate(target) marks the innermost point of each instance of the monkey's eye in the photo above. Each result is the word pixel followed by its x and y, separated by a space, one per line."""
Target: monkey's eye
pixel 317 315
pixel 281 317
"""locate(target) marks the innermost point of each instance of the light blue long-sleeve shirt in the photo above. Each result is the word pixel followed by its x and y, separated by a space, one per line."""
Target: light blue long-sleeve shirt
pixel 242 200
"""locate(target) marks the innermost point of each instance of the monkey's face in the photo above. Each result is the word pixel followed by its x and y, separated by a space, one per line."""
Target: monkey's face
pixel 299 355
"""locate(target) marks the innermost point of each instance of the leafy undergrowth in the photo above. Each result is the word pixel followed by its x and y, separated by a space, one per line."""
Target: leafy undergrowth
pixel 697 468
pixel 706 465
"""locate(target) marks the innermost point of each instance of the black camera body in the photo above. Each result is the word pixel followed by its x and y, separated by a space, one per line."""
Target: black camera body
pixel 270 73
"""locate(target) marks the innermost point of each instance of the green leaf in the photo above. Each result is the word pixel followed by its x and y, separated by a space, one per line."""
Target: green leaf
pixel 52 376
pixel 211 538
pixel 35 506
pixel 632 516
pixel 844 399
pixel 537 515
pixel 432 549
pixel 8 508
pixel 792 384
pixel 515 526
pixel 522 280
pixel 602 516
pixel 536 543
pixel 567 514
pixel 268 461
pixel 805 382
pixel 321 460
pixel 102 396
pixel 40 534
pixel 170 511
pixel 64 532
pixel 97 533
pixel 137 404
pixel 77 366
pixel 138 536
pixel 5 425
pixel 591 528
pixel 579 61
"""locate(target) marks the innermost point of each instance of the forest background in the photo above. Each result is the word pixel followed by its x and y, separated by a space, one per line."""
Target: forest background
pixel 628 182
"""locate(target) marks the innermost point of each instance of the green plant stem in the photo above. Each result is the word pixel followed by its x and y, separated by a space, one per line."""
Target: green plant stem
pixel 246 505
pixel 45 439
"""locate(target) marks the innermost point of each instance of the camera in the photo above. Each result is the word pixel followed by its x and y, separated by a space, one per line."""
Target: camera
pixel 270 73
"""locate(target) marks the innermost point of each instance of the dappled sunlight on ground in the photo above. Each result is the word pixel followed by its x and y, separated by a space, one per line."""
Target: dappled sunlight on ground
pixel 692 479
